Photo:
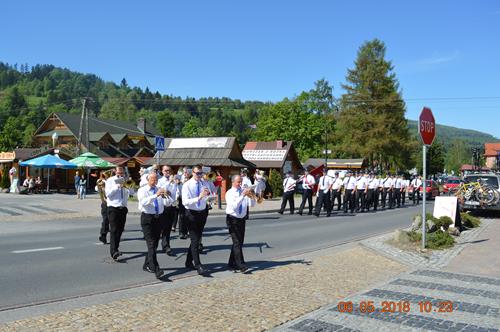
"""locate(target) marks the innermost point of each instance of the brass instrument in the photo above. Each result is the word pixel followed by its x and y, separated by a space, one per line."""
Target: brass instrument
pixel 130 184
pixel 211 176
pixel 108 173
pixel 251 194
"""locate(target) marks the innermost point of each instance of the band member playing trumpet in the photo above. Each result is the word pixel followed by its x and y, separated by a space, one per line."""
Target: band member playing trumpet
pixel 195 194
pixel 288 191
pixel 168 184
pixel 117 198
pixel 308 182
pixel 237 202
pixel 151 205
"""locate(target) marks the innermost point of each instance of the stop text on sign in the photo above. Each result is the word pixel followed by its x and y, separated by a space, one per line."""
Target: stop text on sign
pixel 426 126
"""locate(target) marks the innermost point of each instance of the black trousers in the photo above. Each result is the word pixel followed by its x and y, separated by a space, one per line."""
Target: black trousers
pixel 360 199
pixel 385 191
pixel 375 198
pixel 182 216
pixel 336 196
pixel 236 228
pixel 117 218
pixel 105 220
pixel 348 200
pixel 416 195
pixel 323 201
pixel 369 199
pixel 151 228
pixel 397 196
pixel 194 222
pixel 307 194
pixel 167 219
pixel 403 196
pixel 390 193
pixel 288 196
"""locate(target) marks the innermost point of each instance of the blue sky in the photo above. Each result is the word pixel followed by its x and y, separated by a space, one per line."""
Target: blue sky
pixel 446 53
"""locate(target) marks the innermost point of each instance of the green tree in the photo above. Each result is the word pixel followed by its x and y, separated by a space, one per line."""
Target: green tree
pixel 11 135
pixel 372 120
pixel 192 128
pixel 276 183
pixel 434 159
pixel 166 123
pixel 457 154
pixel 291 120
pixel 5 180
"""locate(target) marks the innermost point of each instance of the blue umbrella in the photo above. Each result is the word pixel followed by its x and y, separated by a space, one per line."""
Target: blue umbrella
pixel 48 161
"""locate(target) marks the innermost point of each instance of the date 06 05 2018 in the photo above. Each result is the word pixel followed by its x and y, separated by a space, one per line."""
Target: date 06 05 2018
pixel 394 306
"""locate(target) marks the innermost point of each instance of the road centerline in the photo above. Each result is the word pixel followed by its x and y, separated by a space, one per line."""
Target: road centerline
pixel 35 250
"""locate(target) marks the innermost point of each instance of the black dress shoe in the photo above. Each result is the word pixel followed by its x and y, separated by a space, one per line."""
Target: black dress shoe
pixel 148 269
pixel 316 214
pixel 232 267
pixel 183 237
pixel 158 272
pixel 170 252
pixel 201 270
pixel 102 238
pixel 300 213
pixel 280 212
pixel 310 214
pixel 189 266
pixel 243 269
pixel 115 255
pixel 200 247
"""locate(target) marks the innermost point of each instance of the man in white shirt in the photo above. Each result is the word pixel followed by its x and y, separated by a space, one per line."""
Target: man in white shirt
pixel 404 189
pixel 288 191
pixel 386 190
pixel 237 202
pixel 371 199
pixel 398 183
pixel 323 194
pixel 116 199
pixel 308 182
pixel 168 184
pixel 151 205
pixel 350 187
pixel 416 183
pixel 361 190
pixel 195 193
pixel 337 184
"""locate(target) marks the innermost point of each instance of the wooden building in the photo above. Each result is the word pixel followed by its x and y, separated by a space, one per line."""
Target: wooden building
pixel 280 155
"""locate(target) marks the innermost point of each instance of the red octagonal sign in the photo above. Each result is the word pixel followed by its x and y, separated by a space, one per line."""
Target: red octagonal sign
pixel 427 126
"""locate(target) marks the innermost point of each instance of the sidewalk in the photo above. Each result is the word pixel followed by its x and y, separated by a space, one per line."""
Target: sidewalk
pixel 65 206
pixel 469 285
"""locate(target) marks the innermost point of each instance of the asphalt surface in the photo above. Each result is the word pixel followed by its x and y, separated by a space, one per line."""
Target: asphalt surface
pixel 70 262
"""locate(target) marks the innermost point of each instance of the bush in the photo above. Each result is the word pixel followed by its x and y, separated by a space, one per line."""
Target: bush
pixel 469 220
pixel 5 179
pixel 443 221
pixel 436 240
pixel 276 183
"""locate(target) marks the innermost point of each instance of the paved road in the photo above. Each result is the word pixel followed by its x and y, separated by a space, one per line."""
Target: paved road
pixel 72 263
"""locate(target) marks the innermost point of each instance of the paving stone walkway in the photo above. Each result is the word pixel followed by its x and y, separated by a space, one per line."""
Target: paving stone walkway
pixel 474 303
pixel 244 302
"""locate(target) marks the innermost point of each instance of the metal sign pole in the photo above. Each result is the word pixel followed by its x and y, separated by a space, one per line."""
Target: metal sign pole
pixel 424 171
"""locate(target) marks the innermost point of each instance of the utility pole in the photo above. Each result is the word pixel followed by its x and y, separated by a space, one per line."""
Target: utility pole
pixel 84 120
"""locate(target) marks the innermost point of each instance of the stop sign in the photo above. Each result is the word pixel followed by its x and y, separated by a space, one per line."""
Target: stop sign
pixel 427 126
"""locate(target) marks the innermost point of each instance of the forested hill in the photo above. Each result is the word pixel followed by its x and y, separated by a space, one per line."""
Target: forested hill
pixel 29 94
pixel 447 134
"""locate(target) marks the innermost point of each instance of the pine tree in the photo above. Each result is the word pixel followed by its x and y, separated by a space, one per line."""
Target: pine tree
pixel 372 120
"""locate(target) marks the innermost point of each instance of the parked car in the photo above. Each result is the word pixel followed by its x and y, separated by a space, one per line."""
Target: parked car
pixel 451 184
pixel 490 180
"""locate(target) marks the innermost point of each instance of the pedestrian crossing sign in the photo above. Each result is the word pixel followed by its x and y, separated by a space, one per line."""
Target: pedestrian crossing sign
pixel 160 143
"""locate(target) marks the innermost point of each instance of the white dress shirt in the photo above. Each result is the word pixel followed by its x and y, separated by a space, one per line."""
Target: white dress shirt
pixel 289 184
pixel 361 183
pixel 372 183
pixel 237 204
pixel 337 183
pixel 416 183
pixel 308 181
pixel 397 183
pixel 171 187
pixel 388 182
pixel 116 196
pixel 147 197
pixel 190 192
pixel 245 182
pixel 350 182
pixel 324 183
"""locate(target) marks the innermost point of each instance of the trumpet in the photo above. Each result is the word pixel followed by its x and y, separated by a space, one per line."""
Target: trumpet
pixel 251 194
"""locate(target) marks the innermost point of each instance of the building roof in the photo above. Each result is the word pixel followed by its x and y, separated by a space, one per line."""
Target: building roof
pixel 269 154
pixel 113 127
pixel 335 163
pixel 207 151
pixel 491 149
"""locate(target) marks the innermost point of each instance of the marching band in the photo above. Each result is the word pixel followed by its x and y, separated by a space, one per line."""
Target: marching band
pixel 165 199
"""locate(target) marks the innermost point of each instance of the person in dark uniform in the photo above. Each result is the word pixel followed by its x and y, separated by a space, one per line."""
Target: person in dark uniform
pixel 308 183
pixel 151 205
pixel 323 195
pixel 370 195
pixel 117 198
pixel 237 201
pixel 361 190
pixel 195 193
pixel 390 192
pixel 288 191
pixel 398 183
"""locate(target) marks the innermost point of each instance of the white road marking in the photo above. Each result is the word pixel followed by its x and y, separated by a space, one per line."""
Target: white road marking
pixel 35 250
